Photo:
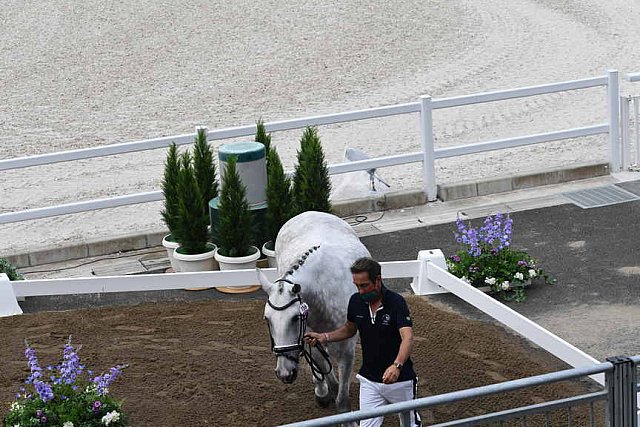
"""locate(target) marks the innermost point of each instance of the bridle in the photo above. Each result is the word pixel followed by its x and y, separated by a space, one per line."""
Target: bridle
pixel 293 351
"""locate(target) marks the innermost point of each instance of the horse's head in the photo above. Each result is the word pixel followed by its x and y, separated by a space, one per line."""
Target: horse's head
pixel 286 316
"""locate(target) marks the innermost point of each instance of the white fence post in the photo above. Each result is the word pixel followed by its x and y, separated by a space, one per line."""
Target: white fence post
pixel 428 151
pixel 625 160
pixel 421 285
pixel 8 302
pixel 614 120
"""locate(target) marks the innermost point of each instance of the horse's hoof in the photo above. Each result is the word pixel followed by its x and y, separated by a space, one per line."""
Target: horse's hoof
pixel 324 401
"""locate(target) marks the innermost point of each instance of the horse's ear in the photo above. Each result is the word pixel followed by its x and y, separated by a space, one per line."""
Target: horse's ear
pixel 264 282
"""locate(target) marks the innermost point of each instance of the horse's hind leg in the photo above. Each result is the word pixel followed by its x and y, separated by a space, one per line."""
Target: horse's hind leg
pixel 345 357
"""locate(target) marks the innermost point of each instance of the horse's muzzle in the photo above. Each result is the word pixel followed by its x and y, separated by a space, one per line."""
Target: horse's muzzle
pixel 288 378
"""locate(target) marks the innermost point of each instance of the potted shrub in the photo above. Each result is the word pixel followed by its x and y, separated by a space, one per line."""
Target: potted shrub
pixel 279 203
pixel 204 169
pixel 170 209
pixel 195 252
pixel 263 137
pixel 311 183
pixel 234 226
pixel 488 262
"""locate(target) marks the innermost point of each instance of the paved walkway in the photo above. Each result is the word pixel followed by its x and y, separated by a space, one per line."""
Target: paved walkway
pixel 592 252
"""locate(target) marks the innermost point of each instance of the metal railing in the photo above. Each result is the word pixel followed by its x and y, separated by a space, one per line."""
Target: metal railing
pixel 429 154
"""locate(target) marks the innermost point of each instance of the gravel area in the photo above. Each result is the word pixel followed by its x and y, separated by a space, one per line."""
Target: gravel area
pixel 82 74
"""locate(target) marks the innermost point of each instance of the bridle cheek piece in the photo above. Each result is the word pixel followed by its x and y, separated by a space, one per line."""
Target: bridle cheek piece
pixel 297 348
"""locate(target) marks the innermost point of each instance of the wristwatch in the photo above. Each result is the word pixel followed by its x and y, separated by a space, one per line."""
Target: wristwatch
pixel 398 365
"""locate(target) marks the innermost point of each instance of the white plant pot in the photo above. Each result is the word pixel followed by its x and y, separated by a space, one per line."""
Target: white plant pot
pixel 271 255
pixel 238 263
pixel 198 262
pixel 170 247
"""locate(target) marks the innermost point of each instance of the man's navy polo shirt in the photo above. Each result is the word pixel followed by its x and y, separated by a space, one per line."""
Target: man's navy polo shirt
pixel 380 339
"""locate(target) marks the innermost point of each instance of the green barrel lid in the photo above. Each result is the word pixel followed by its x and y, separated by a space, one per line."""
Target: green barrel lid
pixel 244 151
pixel 215 204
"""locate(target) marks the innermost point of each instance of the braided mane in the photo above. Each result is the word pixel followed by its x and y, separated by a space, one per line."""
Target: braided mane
pixel 300 262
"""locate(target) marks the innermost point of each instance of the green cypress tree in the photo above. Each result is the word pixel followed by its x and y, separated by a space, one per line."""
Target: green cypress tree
pixel 279 198
pixel 311 183
pixel 263 137
pixel 234 227
pixel 191 227
pixel 205 169
pixel 170 189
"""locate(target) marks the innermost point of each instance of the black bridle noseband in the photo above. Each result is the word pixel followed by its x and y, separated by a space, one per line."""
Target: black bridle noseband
pixel 293 351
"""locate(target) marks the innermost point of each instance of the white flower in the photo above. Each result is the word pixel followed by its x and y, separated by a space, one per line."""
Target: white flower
pixel 505 286
pixel 532 273
pixel 465 279
pixel 490 280
pixel 67 424
pixel 15 406
pixel 111 417
pixel 519 276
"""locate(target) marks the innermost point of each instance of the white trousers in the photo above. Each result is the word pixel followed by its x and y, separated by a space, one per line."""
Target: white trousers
pixel 374 394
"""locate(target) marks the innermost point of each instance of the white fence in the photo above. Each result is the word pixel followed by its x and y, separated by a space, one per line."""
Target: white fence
pixel 429 154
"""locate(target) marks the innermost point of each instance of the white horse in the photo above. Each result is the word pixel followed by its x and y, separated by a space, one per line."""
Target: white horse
pixel 314 253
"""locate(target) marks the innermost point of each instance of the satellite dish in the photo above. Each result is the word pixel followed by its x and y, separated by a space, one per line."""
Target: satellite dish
pixel 353 155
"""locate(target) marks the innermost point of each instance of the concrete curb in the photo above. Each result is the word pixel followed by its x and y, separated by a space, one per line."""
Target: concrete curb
pixel 465 189
pixel 343 208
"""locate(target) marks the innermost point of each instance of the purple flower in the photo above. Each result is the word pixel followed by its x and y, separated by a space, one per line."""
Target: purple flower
pixel 455 258
pixel 522 263
pixel 103 382
pixel 43 389
pixel 71 367
pixel 96 406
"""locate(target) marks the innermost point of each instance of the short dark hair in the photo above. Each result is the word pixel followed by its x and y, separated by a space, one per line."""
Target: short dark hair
pixel 367 265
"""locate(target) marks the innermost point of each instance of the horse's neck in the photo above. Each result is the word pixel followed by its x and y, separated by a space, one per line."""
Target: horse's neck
pixel 326 302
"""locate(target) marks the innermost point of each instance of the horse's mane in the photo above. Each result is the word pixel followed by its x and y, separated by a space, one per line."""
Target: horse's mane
pixel 300 261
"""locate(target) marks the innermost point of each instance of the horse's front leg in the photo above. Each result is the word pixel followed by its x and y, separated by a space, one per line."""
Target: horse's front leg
pixel 324 384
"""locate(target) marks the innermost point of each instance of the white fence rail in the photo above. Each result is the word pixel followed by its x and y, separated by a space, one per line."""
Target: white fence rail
pixel 425 107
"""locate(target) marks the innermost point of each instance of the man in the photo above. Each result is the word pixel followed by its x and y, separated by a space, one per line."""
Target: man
pixel 386 337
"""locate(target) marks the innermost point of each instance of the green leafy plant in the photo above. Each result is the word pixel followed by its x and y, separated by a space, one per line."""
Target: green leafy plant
pixel 66 395
pixel 9 270
pixel 311 183
pixel 204 169
pixel 170 189
pixel 234 227
pixel 279 197
pixel 487 259
pixel 191 224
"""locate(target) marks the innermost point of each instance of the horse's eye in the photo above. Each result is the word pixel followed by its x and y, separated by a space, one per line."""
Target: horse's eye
pixel 295 319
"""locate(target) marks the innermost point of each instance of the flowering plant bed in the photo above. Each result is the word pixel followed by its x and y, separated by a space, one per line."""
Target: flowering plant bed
pixel 65 395
pixel 487 259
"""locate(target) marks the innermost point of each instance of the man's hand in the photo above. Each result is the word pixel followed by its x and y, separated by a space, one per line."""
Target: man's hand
pixel 391 375
pixel 313 338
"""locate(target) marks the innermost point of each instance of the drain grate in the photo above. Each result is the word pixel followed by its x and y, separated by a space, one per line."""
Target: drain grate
pixel 601 196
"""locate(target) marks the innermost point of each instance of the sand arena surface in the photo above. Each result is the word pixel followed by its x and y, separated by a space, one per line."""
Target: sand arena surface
pixel 82 74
